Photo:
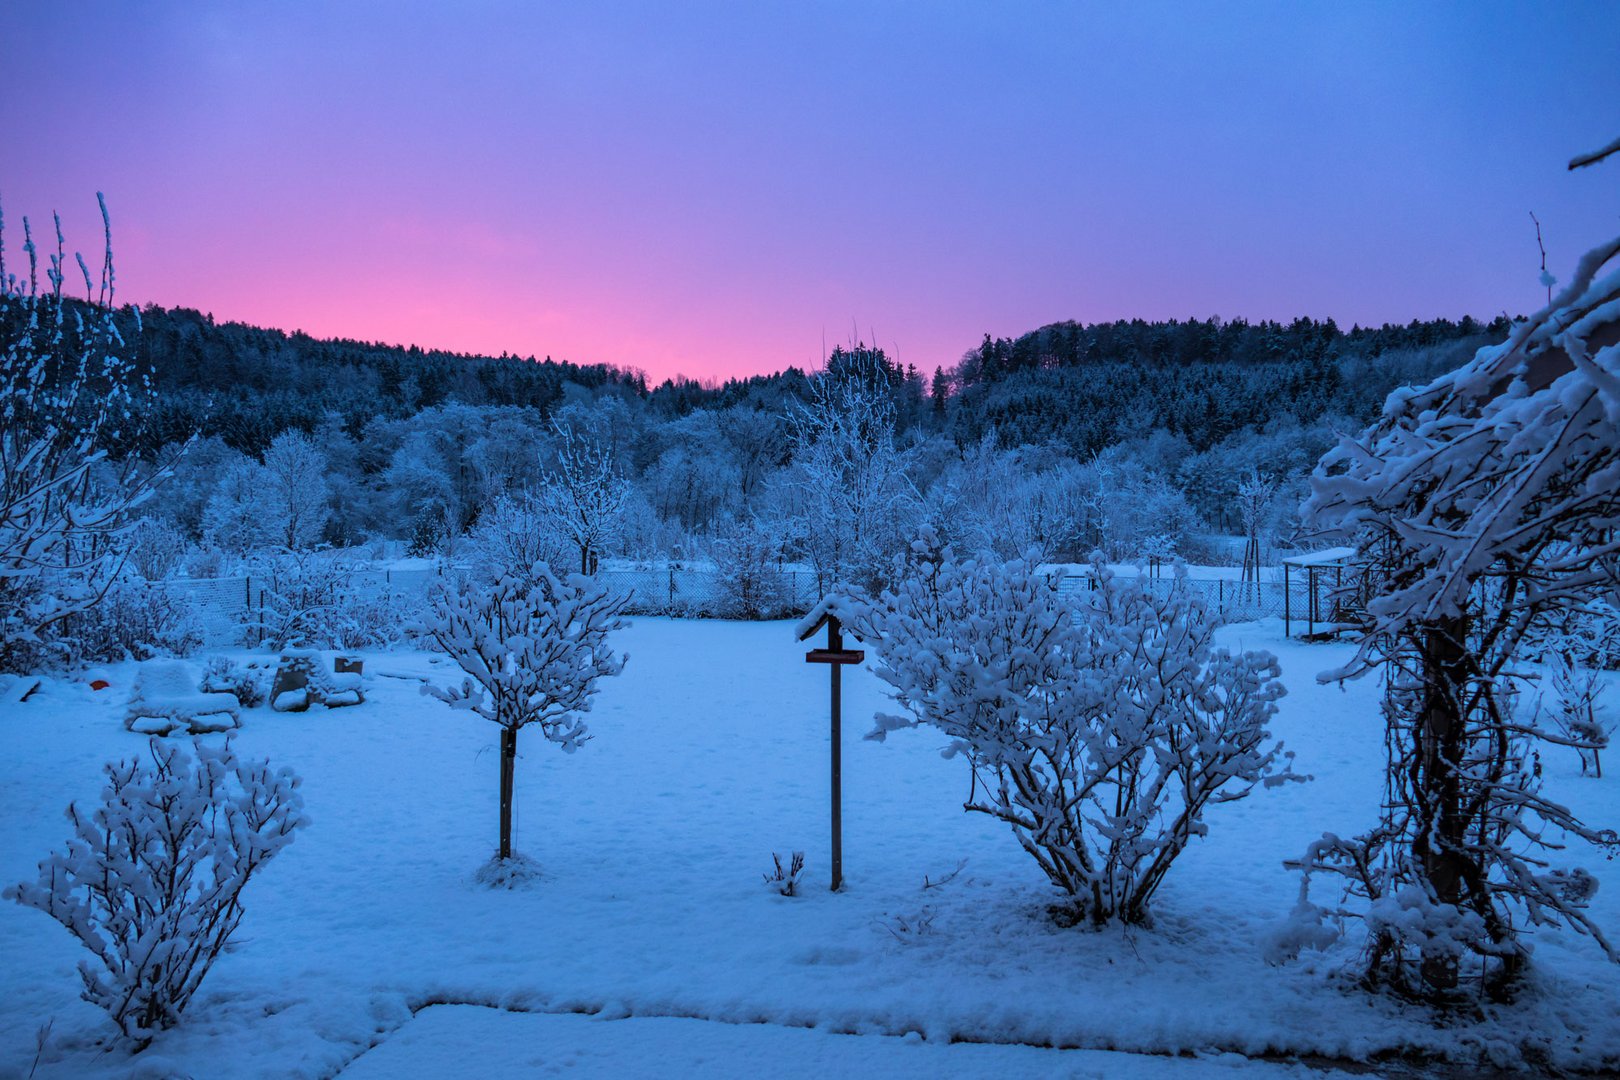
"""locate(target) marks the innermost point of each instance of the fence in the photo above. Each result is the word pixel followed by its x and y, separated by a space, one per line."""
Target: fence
pixel 235 610
pixel 1232 601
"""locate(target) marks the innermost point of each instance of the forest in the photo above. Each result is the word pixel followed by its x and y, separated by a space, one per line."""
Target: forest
pixel 1132 437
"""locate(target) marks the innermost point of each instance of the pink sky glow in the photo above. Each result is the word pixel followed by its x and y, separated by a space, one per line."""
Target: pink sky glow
pixel 718 190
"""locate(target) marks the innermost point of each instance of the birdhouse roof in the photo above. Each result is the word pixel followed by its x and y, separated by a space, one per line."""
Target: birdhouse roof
pixel 832 606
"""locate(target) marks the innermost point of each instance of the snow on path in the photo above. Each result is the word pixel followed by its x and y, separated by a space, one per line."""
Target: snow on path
pixel 710 753
pixel 462 1040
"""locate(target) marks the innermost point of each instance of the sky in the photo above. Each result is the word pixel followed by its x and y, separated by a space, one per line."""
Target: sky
pixel 720 190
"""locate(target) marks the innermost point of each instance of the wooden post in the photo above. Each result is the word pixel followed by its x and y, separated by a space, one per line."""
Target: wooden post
pixel 833 642
pixel 836 656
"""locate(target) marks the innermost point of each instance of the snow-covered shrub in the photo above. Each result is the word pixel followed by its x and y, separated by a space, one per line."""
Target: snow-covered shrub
pixel 534 648
pixel 512 534
pixel 1577 712
pixel 752 584
pixel 135 620
pixel 225 676
pixel 1100 726
pixel 785 879
pixel 428 532
pixel 151 881
pixel 318 599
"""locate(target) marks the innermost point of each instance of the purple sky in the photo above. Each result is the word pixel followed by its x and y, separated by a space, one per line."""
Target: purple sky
pixel 718 189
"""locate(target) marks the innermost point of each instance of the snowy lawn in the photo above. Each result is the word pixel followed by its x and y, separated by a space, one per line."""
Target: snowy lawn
pixel 709 753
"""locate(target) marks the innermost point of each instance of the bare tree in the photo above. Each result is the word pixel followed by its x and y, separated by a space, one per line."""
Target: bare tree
pixel 585 495
pixel 856 495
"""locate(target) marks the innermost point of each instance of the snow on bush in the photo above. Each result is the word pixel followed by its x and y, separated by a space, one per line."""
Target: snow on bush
pixel 1100 727
pixel 314 599
pixel 134 620
pixel 151 881
pixel 785 879
pixel 222 675
pixel 748 559
pixel 1578 712
pixel 534 648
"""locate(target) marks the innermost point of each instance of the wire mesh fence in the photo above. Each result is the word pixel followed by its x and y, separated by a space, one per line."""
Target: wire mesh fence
pixel 1231 601
pixel 243 610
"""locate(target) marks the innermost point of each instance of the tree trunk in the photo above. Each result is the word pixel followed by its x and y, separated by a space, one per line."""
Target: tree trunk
pixel 508 761
pixel 1440 740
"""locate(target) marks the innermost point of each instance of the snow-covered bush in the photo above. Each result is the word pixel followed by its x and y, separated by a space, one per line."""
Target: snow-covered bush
pixel 1577 712
pixel 749 561
pixel 534 649
pixel 316 599
pixel 222 675
pixel 785 879
pixel 135 620
pixel 1100 726
pixel 154 548
pixel 151 881
pixel 512 534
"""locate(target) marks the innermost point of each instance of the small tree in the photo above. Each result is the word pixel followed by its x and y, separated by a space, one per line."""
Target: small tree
pixel 748 558
pixel 296 490
pixel 585 495
pixel 151 882
pixel 856 496
pixel 1101 727
pixel 1577 714
pixel 533 648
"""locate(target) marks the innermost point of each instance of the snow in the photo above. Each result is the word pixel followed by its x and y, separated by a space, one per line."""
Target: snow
pixel 166 699
pixel 831 606
pixel 451 1040
pixel 709 754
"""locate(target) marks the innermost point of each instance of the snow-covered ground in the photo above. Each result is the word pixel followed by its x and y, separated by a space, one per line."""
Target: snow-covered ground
pixel 650 919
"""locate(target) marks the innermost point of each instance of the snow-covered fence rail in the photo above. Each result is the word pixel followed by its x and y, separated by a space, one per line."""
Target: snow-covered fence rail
pixel 238 610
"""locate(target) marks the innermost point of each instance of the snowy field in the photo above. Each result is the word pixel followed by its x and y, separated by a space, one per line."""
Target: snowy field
pixel 650 945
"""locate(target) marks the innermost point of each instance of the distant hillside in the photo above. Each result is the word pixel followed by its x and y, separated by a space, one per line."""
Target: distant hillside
pixel 1083 386
pixel 246 384
pixel 1092 386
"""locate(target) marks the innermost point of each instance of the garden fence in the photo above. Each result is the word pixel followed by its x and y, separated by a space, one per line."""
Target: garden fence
pixel 231 610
